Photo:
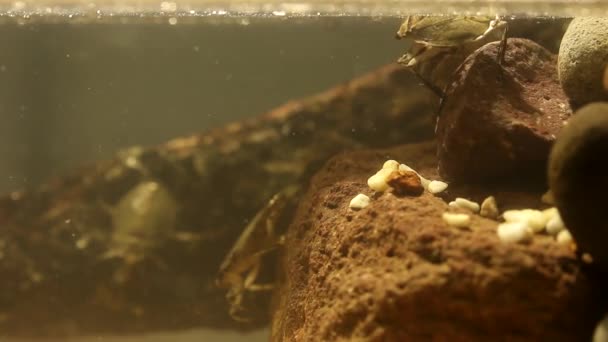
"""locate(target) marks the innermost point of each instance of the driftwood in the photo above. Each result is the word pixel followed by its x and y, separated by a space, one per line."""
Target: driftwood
pixel 134 243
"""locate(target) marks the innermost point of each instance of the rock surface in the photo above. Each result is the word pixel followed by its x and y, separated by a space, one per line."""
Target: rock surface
pixel 583 55
pixel 577 177
pixel 395 271
pixel 498 122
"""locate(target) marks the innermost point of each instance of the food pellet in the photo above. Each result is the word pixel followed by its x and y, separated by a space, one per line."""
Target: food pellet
pixel 564 237
pixel 489 208
pixel 513 232
pixel 359 202
pixel 436 187
pixel 457 220
pixel 464 203
pixel 392 165
pixel 533 218
pixel 377 182
pixel 555 224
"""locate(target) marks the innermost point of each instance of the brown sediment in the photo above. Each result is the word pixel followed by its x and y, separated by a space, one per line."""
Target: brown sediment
pixel 394 271
pixel 57 241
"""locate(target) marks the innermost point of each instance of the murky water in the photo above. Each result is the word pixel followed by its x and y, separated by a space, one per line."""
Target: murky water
pixel 85 255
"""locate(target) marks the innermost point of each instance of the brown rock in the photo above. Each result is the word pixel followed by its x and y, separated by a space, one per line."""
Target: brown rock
pixel 577 177
pixel 395 271
pixel 498 122
pixel 405 183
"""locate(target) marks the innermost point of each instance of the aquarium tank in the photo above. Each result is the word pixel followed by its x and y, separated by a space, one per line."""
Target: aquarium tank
pixel 347 170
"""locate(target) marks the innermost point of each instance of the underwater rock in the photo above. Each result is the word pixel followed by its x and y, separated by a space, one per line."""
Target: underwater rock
pixel 577 178
pixel 583 55
pixel 498 122
pixel 394 271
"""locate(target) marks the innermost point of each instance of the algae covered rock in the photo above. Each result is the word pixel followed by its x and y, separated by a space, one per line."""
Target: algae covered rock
pixel 583 55
pixel 577 178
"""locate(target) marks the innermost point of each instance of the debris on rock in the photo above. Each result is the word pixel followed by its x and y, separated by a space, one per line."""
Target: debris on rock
pixel 405 183
pixel 457 220
pixel 359 202
pixel 498 121
pixel 436 186
pixel 464 203
pixel 489 208
pixel 583 56
pixel 513 232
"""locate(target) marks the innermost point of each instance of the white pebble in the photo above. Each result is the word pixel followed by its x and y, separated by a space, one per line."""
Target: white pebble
pixel 464 203
pixel 377 182
pixel 436 187
pixel 564 237
pixel 512 232
pixel 533 218
pixel 555 224
pixel 391 165
pixel 457 220
pixel 489 208
pixel 404 167
pixel 359 202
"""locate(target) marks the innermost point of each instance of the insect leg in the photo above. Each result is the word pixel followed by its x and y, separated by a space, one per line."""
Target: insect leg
pixel 500 58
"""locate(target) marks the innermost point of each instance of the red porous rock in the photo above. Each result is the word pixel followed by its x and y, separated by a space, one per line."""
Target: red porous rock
pixel 405 183
pixel 394 271
pixel 498 122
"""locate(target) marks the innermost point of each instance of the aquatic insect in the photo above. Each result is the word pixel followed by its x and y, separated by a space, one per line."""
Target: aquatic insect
pixel 431 33
pixel 143 218
pixel 434 37
pixel 239 270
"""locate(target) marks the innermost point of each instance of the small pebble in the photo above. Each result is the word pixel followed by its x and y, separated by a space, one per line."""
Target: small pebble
pixel 464 203
pixel 392 165
pixel 405 183
pixel 378 182
pixel 533 218
pixel 512 232
pixel 457 220
pixel 359 202
pixel 489 208
pixel 555 224
pixel 564 237
pixel 436 187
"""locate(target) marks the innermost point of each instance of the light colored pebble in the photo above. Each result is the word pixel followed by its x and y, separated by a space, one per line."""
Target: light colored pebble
pixel 489 208
pixel 393 165
pixel 457 220
pixel 464 203
pixel 532 217
pixel 359 202
pixel 512 232
pixel 403 167
pixel 436 187
pixel 555 224
pixel 564 237
pixel 377 182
